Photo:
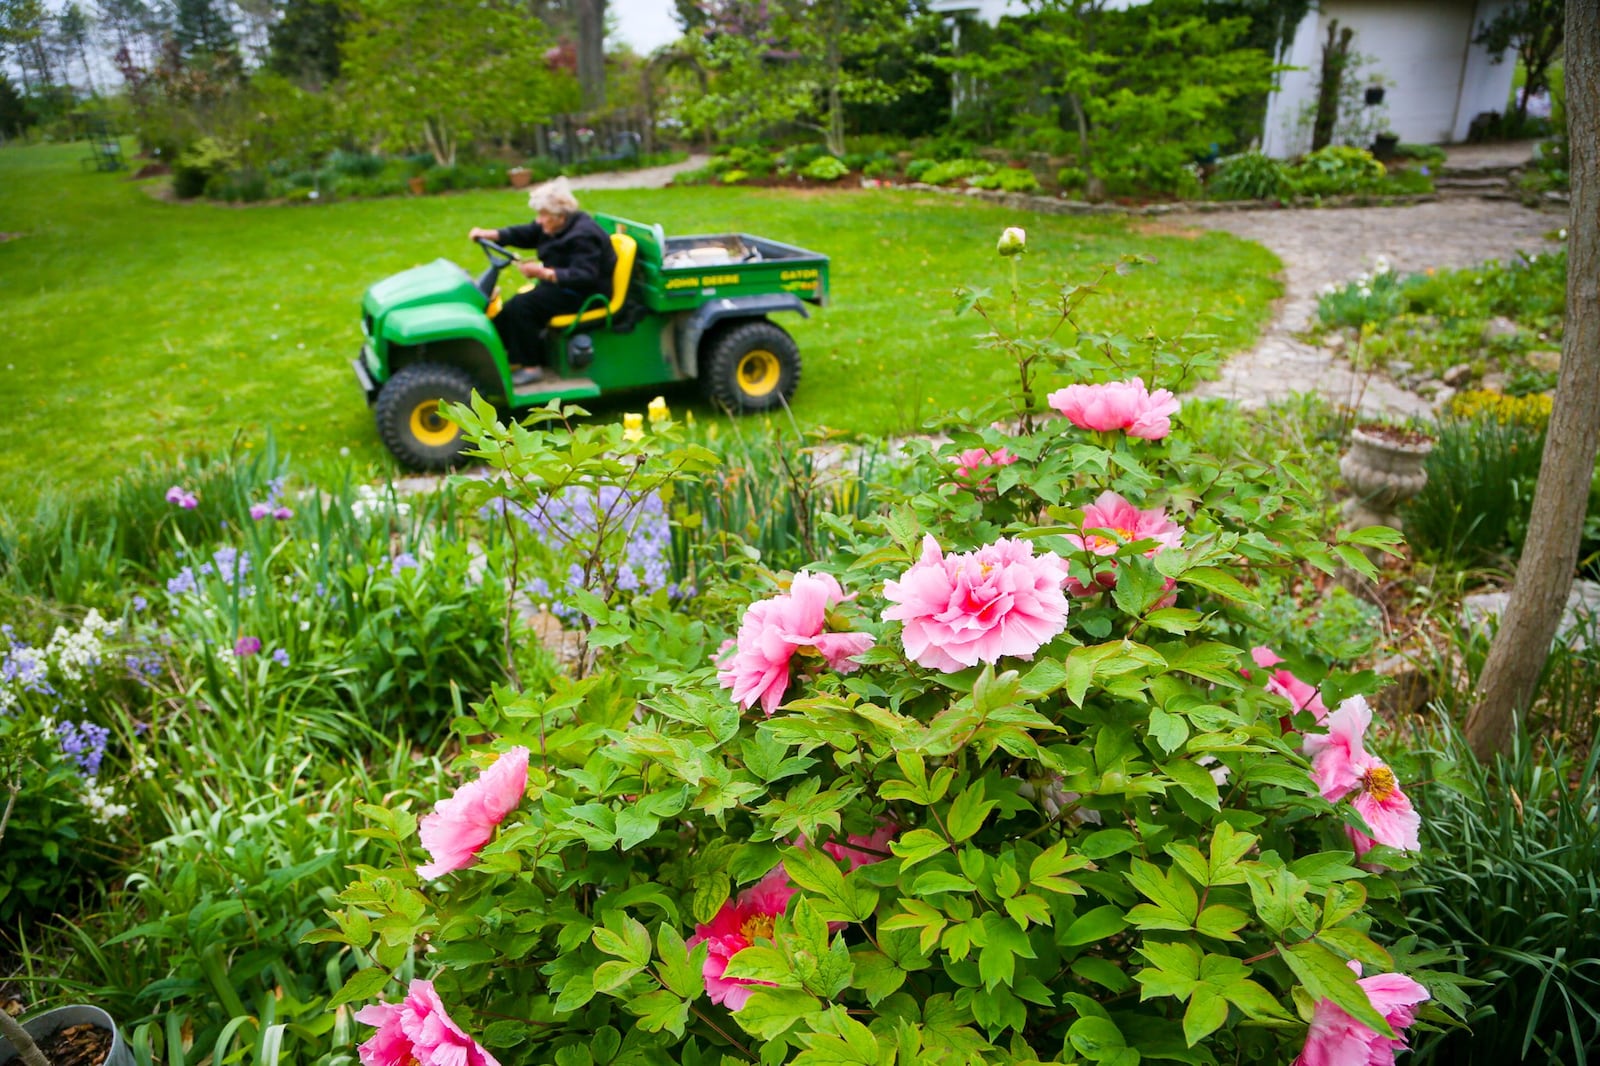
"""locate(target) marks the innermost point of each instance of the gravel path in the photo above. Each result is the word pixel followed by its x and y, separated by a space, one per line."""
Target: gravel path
pixel 1331 246
pixel 648 178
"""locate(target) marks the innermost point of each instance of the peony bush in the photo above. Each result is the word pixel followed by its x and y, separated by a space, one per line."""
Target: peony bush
pixel 1010 780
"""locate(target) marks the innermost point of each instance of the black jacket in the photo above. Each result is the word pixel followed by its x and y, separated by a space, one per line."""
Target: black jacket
pixel 580 253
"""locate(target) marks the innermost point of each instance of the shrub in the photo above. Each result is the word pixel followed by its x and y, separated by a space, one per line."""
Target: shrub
pixel 919 167
pixel 1071 178
pixel 1335 171
pixel 1008 179
pixel 247 186
pixel 354 164
pixel 902 852
pixel 733 177
pixel 1430 155
pixel 1249 176
pixel 881 168
pixel 825 168
pixel 198 164
pixel 948 173
pixel 754 160
pixel 699 176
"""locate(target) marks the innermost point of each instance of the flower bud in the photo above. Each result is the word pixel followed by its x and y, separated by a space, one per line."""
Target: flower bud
pixel 657 411
pixel 633 426
pixel 1013 241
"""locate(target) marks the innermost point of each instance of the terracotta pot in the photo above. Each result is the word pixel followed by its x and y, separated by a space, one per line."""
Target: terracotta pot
pixel 43 1026
pixel 418 185
pixel 1383 469
pixel 520 177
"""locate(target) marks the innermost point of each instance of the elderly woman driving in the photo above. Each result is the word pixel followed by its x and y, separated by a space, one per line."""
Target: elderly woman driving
pixel 576 260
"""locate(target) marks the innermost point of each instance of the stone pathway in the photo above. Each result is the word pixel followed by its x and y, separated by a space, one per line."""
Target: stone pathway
pixel 1331 246
pixel 648 178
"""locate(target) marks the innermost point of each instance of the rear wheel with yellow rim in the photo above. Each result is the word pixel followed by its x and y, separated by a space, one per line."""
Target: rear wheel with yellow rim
pixel 752 366
pixel 410 416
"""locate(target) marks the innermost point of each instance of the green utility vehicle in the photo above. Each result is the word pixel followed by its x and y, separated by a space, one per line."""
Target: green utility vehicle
pixel 681 308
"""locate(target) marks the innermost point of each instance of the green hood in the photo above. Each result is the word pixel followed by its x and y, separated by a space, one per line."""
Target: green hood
pixel 440 281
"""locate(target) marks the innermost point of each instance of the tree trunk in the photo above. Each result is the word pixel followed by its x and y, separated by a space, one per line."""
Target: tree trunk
pixel 835 134
pixel 1544 577
pixel 592 52
pixel 1335 57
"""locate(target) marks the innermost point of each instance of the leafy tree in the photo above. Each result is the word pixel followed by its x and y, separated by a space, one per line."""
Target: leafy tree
pixel 1533 28
pixel 431 71
pixel 797 61
pixel 591 19
pixel 132 26
pixel 23 33
pixel 304 43
pixel 72 26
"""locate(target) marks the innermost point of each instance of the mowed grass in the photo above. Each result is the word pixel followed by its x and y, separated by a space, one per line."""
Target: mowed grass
pixel 135 327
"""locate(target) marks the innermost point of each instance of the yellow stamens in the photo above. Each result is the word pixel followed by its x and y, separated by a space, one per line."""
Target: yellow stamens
pixel 757 927
pixel 1379 783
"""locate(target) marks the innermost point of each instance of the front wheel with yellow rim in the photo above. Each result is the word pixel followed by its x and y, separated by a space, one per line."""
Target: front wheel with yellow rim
pixel 750 366
pixel 411 419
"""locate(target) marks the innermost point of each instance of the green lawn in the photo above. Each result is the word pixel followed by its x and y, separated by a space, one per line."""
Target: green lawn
pixel 136 327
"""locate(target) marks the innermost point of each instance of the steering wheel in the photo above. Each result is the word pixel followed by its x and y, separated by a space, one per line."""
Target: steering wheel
pixel 499 256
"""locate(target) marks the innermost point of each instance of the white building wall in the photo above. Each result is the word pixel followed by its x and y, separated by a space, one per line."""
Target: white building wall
pixel 1435 80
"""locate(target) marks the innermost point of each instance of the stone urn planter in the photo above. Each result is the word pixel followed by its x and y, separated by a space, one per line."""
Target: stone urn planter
pixel 520 177
pixel 1383 469
pixel 72 1036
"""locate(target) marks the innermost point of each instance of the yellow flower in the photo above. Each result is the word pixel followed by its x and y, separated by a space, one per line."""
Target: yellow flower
pixel 658 410
pixel 633 426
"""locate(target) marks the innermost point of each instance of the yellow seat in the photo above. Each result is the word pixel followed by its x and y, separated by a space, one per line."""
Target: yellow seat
pixel 626 248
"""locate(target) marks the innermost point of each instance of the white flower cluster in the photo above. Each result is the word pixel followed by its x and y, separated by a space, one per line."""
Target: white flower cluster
pixel 76 653
pixel 98 798
pixel 370 500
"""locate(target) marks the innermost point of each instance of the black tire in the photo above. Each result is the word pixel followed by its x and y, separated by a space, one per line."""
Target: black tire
pixel 752 366
pixel 408 415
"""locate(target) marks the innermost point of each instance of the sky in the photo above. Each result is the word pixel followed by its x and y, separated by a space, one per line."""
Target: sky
pixel 644 24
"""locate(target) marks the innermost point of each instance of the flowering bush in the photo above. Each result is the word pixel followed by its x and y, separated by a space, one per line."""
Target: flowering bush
pixel 1008 826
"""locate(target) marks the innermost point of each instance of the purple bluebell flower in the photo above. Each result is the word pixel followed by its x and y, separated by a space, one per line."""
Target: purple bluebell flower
pixel 182 584
pixel 403 561
pixel 139 603
pixel 280 656
pixel 85 744
pixel 143 667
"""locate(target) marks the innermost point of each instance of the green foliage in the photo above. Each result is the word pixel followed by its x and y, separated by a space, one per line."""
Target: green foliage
pixel 1370 299
pixel 1506 893
pixel 825 168
pixel 1008 179
pixel 752 160
pixel 1474 509
pixel 1249 176
pixel 919 167
pixel 954 170
pixel 1123 812
pixel 881 168
pixel 1335 171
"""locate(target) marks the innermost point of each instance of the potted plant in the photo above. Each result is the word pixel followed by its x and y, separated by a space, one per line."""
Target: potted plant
pixel 418 184
pixel 1384 144
pixel 66 1036
pixel 1383 468
pixel 520 177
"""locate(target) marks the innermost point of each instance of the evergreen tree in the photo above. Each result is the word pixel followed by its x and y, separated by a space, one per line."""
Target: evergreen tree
pixel 305 42
pixel 15 114
pixel 202 29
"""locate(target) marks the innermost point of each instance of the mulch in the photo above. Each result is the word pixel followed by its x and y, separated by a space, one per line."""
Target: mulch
pixel 78 1045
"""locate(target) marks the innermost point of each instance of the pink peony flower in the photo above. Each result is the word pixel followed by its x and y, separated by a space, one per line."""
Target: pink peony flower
pixel 1109 523
pixel 1301 696
pixel 1336 1039
pixel 975 462
pixel 960 610
pixel 460 826
pixel 876 845
pixel 1124 405
pixel 417 1032
pixel 1341 764
pixel 774 629
pixel 748 917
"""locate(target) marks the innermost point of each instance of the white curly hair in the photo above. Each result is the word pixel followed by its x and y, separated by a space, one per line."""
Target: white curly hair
pixel 554 196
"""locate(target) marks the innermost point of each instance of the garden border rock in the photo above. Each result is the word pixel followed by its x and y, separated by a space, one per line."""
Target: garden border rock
pixel 1051 205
